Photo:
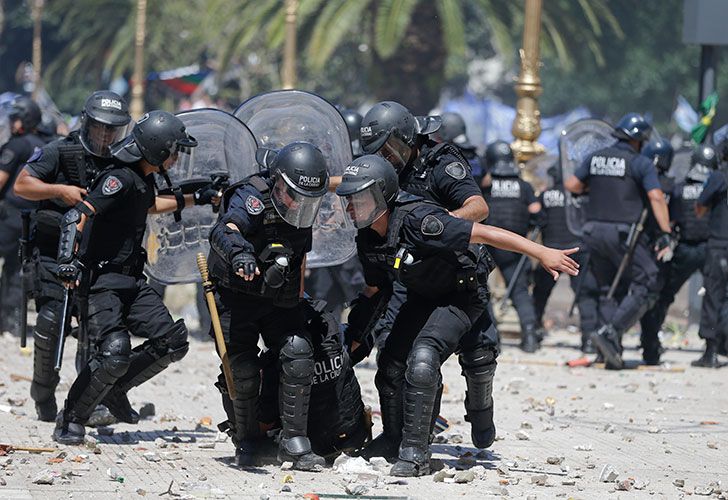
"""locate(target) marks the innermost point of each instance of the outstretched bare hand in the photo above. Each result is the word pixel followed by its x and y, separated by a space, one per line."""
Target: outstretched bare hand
pixel 555 261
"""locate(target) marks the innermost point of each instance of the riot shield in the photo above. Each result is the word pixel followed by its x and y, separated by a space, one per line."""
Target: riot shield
pixel 577 141
pixel 280 117
pixel 225 154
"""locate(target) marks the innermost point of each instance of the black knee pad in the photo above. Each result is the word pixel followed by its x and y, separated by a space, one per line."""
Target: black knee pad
pixel 296 357
pixel 172 343
pixel 423 367
pixel 47 326
pixel 113 355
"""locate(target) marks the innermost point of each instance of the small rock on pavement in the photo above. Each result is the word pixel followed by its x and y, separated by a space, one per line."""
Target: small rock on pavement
pixel 150 456
pixel 641 485
pixel 287 466
pixel 583 447
pixel 147 410
pixel 568 482
pixel 443 474
pixel 608 474
pixel 713 446
pixel 44 477
pixel 465 476
pixel 625 485
pixel 207 446
pixel 539 479
pixel 703 490
pixel 522 436
pixel 90 441
pixel 356 489
pixel 554 460
pixel 679 483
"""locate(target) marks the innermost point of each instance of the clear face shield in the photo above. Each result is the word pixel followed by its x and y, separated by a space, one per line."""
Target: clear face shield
pixel 365 206
pixel 96 137
pixel 396 152
pixel 294 205
pixel 181 159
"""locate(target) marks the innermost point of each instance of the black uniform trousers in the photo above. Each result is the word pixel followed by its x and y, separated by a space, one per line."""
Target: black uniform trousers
pixel 521 297
pixel 714 313
pixel 587 300
pixel 688 258
pixel 10 290
pixel 607 242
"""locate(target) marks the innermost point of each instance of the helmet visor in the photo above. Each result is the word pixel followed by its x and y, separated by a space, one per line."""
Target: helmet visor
pixel 395 151
pixel 293 205
pixel 182 158
pixel 96 137
pixel 365 206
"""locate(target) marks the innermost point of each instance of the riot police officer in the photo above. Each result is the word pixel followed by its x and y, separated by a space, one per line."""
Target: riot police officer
pixel 353 123
pixel 25 116
pixel 619 180
pixel 102 238
pixel 514 207
pixel 454 131
pixel 692 232
pixel 556 234
pixel 714 314
pixel 428 251
pixel 438 172
pixel 257 259
pixel 58 176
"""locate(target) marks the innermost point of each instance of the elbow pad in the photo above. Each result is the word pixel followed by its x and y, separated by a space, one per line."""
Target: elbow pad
pixel 227 243
pixel 69 236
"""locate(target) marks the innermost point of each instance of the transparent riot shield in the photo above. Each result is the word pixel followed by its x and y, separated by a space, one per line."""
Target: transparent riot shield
pixel 281 117
pixel 225 154
pixel 577 141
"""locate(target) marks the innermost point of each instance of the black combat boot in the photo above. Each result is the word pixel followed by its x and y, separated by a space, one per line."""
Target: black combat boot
pixel 47 410
pixel 529 339
pixel 414 452
pixel 651 352
pixel 68 431
pixel 118 404
pixel 607 342
pixel 389 381
pixel 709 359
pixel 587 346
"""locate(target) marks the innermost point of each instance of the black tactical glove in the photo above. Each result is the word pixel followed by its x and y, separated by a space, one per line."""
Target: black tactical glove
pixel 69 273
pixel 665 240
pixel 537 220
pixel 205 194
pixel 245 262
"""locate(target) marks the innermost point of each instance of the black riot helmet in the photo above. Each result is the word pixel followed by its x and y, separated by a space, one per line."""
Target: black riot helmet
pixel 353 123
pixel 27 111
pixel 300 180
pixel 104 120
pixel 499 160
pixel 703 161
pixel 452 129
pixel 660 152
pixel 391 130
pixel 632 126
pixel 368 188
pixel 157 136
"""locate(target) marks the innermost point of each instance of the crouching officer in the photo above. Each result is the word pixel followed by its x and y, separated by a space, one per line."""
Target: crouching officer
pixel 403 238
pixel 257 262
pixel 58 176
pixel 103 236
pixel 714 313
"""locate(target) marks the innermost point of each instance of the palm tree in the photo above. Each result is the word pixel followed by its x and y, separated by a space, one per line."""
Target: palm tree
pixel 412 41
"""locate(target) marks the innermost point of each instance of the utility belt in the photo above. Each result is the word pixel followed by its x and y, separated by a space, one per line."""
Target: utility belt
pixel 134 269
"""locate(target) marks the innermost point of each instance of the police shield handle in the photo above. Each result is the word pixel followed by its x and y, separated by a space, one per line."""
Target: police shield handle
pixel 216 327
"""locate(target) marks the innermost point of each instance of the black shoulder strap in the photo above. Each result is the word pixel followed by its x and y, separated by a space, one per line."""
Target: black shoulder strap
pixel 73 162
pixel 401 210
pixel 254 180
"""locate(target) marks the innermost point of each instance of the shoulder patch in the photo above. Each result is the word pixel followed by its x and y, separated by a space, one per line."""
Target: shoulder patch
pixel 432 226
pixel 112 185
pixel 456 170
pixel 36 156
pixel 7 156
pixel 254 205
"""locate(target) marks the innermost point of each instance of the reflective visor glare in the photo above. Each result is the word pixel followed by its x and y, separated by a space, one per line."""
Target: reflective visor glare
pixel 98 136
pixel 183 160
pixel 365 207
pixel 394 151
pixel 294 207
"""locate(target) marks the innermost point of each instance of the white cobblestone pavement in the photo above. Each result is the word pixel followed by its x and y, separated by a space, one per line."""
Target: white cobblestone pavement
pixel 562 432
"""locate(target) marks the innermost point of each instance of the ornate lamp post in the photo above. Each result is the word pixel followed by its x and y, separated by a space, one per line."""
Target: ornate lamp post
pixel 527 124
pixel 37 15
